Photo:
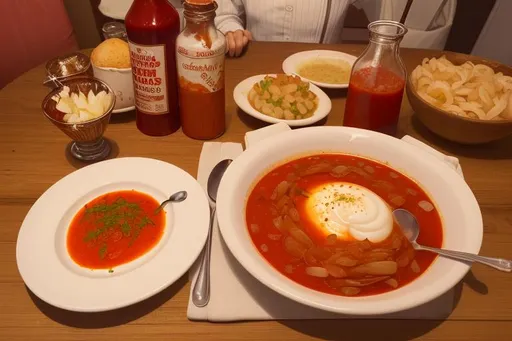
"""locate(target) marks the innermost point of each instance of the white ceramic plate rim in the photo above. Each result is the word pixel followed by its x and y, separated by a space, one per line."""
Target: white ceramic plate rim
pixel 241 92
pixel 397 300
pixel 48 276
pixel 291 64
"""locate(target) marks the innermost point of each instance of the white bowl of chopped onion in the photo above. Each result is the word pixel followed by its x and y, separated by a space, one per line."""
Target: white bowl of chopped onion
pixel 465 99
pixel 448 193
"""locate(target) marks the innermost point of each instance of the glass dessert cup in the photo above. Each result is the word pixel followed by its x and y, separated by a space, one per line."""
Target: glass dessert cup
pixel 88 142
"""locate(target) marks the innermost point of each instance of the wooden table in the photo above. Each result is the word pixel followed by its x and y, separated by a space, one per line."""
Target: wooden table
pixel 33 157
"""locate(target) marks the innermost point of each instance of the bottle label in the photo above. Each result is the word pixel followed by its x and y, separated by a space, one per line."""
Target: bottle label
pixel 149 78
pixel 201 70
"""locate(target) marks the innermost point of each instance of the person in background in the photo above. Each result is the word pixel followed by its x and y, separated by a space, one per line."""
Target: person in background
pixel 313 21
pixel 321 21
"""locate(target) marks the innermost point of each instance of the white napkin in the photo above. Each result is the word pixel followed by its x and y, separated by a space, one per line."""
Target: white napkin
pixel 237 296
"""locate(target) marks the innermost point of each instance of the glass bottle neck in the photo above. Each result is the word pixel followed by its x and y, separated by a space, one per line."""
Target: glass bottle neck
pixel 379 44
pixel 386 33
pixel 199 14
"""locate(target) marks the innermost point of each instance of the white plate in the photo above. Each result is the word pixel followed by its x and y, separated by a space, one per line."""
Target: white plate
pixel 115 9
pixel 462 220
pixel 242 91
pixel 118 111
pixel 292 63
pixel 49 271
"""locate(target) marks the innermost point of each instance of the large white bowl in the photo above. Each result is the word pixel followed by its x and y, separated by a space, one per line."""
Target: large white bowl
pixel 462 220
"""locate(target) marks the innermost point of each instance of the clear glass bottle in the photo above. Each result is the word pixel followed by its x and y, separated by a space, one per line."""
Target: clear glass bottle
pixel 200 54
pixel 377 81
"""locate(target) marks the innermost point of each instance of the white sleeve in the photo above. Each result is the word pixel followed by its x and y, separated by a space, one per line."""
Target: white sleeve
pixel 229 15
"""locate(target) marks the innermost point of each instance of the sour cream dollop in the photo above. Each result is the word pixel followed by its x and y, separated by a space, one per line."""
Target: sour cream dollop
pixel 350 211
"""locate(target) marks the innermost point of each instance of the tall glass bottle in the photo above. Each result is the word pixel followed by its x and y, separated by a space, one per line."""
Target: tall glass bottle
pixel 200 55
pixel 152 27
pixel 377 81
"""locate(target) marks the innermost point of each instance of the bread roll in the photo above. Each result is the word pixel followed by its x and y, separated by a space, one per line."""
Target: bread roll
pixel 113 53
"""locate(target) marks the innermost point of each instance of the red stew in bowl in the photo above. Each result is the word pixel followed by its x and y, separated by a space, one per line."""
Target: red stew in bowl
pixel 300 217
pixel 114 229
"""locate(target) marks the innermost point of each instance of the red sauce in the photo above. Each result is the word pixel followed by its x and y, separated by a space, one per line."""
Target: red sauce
pixel 152 27
pixel 374 99
pixel 201 72
pixel 202 111
pixel 114 229
pixel 384 181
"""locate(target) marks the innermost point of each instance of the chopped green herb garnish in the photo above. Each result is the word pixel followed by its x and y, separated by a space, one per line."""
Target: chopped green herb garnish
pixel 303 87
pixel 120 215
pixel 102 251
pixel 294 109
pixel 135 235
pixel 126 229
pixel 110 271
pixel 90 236
pixel 145 221
pixel 275 103
pixel 265 84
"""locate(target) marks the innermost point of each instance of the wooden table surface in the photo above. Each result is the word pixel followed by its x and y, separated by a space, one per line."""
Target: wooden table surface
pixel 33 157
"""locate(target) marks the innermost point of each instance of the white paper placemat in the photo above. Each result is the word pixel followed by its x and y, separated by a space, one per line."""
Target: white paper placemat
pixel 237 296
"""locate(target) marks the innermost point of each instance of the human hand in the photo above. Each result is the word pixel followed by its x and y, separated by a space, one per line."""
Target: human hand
pixel 236 41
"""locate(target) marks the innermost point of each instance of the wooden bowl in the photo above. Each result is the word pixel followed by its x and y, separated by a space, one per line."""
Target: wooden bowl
pixel 456 128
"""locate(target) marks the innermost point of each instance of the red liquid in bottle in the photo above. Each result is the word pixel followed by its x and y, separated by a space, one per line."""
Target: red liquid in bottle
pixel 374 99
pixel 201 88
pixel 152 27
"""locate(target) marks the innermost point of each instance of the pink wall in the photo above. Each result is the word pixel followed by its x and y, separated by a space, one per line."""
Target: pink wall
pixel 31 32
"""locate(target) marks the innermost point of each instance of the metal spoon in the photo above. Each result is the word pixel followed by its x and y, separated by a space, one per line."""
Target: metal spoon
pixel 409 225
pixel 201 290
pixel 176 197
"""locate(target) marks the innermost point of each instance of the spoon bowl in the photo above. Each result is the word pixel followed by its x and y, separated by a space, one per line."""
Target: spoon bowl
pixel 411 229
pixel 176 197
pixel 408 224
pixel 215 177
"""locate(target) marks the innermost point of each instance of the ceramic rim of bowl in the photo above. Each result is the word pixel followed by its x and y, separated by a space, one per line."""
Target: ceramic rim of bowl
pixel 439 278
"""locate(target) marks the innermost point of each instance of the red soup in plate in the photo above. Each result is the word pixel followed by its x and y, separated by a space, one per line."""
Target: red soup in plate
pixel 114 229
pixel 325 222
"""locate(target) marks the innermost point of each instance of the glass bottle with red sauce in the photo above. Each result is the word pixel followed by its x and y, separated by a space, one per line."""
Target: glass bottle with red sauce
pixel 377 82
pixel 152 27
pixel 200 62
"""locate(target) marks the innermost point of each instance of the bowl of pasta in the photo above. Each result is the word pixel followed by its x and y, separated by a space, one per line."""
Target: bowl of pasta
pixel 464 99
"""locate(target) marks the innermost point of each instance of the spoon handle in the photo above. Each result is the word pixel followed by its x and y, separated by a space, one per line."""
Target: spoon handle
pixel 497 263
pixel 201 290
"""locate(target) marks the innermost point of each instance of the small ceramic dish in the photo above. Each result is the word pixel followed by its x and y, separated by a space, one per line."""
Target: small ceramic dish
pixel 292 64
pixel 241 92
